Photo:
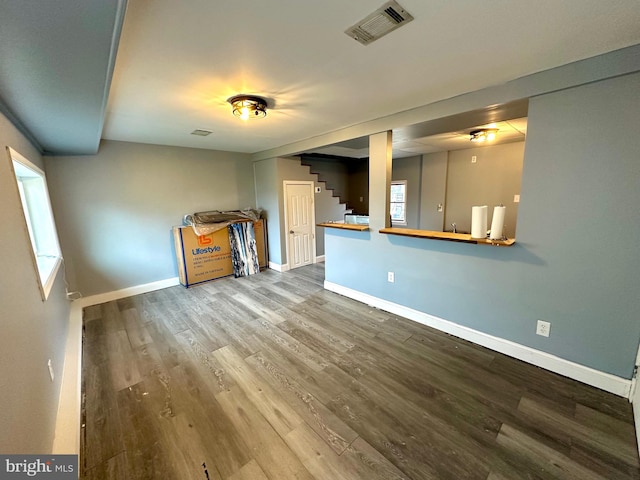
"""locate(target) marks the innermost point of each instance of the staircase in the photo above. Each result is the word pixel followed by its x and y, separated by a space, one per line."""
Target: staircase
pixel 335 180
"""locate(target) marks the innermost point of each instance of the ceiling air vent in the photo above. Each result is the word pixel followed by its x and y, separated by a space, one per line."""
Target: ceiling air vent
pixel 384 20
pixel 201 133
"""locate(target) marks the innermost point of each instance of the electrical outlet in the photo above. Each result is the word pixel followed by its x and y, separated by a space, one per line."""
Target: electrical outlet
pixel 391 277
pixel 474 159
pixel 440 207
pixel 50 365
pixel 543 328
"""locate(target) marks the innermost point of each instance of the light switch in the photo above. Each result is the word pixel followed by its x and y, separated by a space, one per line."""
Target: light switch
pixel 318 189
pixel 516 199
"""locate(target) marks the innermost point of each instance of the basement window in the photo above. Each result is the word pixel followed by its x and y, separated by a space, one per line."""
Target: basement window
pixel 398 206
pixel 39 223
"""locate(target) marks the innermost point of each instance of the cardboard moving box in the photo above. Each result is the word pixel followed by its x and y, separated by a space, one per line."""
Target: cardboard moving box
pixel 206 257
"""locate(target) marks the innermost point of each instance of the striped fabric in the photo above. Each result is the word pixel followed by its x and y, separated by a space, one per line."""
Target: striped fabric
pixel 244 253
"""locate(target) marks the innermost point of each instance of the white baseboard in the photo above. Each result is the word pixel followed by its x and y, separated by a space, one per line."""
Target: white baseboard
pixel 279 268
pixel 127 292
pixel 604 381
pixel 67 434
pixel 320 259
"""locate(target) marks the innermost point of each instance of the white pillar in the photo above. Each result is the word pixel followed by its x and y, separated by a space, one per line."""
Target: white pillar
pixel 379 180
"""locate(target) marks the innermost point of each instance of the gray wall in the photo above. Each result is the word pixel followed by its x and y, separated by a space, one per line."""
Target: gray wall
pixel 115 209
pixel 433 191
pixel 33 331
pixel 493 180
pixel 268 198
pixel 576 261
pixel 270 175
pixel 410 169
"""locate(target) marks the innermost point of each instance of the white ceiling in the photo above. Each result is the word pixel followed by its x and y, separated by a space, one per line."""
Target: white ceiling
pixel 178 62
pixel 509 131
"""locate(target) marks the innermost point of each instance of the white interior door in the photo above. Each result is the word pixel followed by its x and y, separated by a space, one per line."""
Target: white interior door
pixel 300 223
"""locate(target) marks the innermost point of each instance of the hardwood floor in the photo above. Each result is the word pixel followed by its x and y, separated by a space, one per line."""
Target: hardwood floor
pixel 272 377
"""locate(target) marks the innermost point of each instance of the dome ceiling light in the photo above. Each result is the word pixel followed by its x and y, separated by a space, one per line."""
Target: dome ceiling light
pixel 248 106
pixel 483 135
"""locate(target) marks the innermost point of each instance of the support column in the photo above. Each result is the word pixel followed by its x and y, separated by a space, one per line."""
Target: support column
pixel 379 180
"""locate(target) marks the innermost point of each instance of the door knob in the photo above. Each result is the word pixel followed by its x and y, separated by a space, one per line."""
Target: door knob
pixel 291 232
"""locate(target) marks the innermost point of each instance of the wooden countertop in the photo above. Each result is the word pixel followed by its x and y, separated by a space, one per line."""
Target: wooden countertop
pixel 345 226
pixel 447 236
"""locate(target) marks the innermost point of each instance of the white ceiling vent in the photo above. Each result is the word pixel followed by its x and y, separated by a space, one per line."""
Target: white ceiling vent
pixel 201 133
pixel 384 20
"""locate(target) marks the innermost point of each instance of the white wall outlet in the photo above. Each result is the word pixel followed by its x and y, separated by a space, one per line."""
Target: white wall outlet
pixel 50 365
pixel 440 207
pixel 543 328
pixel 474 159
pixel 318 189
pixel 391 277
pixel 516 199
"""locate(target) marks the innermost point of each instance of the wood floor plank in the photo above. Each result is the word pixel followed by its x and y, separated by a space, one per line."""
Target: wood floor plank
pixel 298 288
pixel 102 432
pixel 110 317
pixel 271 335
pixel 255 306
pixel 96 350
pixel 92 312
pixel 284 292
pixel 251 471
pixel 136 330
pixel 359 461
pixel 267 400
pixel 330 428
pixel 451 453
pixel 603 464
pixel 624 431
pixel 323 384
pixel 269 450
pixel 229 452
pixel 115 468
pixel 136 414
pixel 557 387
pixel 602 440
pixel 166 344
pixel 547 460
pixel 233 326
pixel 206 328
pixel 273 377
pixel 212 372
pixel 187 451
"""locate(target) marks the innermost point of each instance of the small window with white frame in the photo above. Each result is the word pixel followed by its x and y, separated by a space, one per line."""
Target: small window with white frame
pixel 39 223
pixel 398 205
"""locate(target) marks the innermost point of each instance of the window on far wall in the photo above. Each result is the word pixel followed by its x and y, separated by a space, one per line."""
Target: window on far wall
pixel 398 202
pixel 34 197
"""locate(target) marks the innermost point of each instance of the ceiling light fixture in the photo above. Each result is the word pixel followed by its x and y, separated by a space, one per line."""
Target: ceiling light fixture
pixel 248 106
pixel 483 135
